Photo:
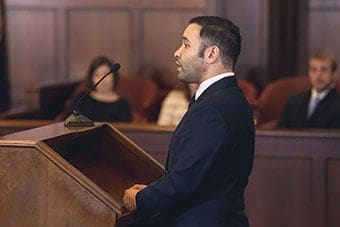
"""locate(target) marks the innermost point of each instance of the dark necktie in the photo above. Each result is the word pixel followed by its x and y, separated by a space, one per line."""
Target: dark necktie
pixel 192 100
pixel 312 106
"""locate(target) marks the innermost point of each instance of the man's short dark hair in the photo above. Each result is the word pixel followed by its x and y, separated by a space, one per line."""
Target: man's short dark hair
pixel 220 32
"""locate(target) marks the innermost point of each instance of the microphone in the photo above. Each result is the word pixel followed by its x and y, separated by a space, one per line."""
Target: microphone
pixel 78 120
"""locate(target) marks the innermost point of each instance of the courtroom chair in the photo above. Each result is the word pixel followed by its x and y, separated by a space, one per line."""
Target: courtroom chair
pixel 249 90
pixel 337 85
pixel 79 87
pixel 274 97
pixel 52 98
pixel 142 94
pixel 43 101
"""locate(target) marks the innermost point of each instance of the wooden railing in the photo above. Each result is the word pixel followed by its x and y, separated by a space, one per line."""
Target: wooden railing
pixel 295 177
pixel 10 126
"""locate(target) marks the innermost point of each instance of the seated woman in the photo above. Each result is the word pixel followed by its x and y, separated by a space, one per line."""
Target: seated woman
pixel 103 103
pixel 175 105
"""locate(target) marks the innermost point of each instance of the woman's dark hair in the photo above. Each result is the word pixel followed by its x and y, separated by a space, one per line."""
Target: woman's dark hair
pixel 96 63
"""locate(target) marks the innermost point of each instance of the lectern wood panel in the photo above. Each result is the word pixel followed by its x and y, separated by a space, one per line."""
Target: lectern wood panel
pixel 57 176
pixel 101 154
pixel 35 192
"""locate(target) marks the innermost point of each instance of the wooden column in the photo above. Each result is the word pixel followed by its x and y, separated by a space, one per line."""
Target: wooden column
pixel 287 38
pixel 4 97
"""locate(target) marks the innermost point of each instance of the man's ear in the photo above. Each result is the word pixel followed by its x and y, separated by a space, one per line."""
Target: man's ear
pixel 211 54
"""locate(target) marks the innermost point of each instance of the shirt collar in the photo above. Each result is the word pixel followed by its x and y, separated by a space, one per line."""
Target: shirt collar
pixel 320 95
pixel 207 83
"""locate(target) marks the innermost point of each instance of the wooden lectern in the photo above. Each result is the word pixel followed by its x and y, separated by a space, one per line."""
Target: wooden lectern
pixel 54 176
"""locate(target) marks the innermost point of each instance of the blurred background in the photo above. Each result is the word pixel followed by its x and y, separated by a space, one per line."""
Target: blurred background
pixel 47 42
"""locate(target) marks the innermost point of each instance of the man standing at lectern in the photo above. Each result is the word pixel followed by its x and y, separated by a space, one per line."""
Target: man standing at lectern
pixel 211 152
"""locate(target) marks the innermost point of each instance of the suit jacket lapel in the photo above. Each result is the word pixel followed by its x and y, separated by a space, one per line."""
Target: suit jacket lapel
pixel 304 106
pixel 324 104
pixel 221 84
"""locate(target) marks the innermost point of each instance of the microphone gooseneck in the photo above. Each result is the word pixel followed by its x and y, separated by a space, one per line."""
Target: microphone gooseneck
pixel 78 120
pixel 113 69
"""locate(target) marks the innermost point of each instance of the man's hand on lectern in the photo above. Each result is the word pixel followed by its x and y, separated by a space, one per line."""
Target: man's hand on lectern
pixel 129 198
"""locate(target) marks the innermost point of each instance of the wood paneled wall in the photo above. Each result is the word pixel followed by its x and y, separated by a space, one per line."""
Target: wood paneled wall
pixel 324 26
pixel 252 17
pixel 50 41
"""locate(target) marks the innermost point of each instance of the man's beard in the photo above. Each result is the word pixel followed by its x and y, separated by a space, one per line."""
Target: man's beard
pixel 191 70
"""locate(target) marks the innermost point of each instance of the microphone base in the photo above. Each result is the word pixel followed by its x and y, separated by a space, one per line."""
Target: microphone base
pixel 78 120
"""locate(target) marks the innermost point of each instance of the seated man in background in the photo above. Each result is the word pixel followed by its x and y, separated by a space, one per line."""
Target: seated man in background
pixel 318 107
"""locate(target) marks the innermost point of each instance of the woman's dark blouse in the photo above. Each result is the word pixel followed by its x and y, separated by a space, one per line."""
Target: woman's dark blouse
pixel 117 111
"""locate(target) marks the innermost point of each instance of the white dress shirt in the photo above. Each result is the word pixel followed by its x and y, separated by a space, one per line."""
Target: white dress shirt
pixel 207 83
pixel 314 101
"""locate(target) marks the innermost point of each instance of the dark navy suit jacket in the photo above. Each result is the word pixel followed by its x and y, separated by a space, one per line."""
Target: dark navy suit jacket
pixel 209 160
pixel 326 114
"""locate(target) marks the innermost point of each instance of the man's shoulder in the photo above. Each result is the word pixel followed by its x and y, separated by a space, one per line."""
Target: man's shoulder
pixel 300 96
pixel 222 97
pixel 335 99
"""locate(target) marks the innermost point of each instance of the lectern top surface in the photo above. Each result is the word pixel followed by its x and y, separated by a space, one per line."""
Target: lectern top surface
pixel 44 132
